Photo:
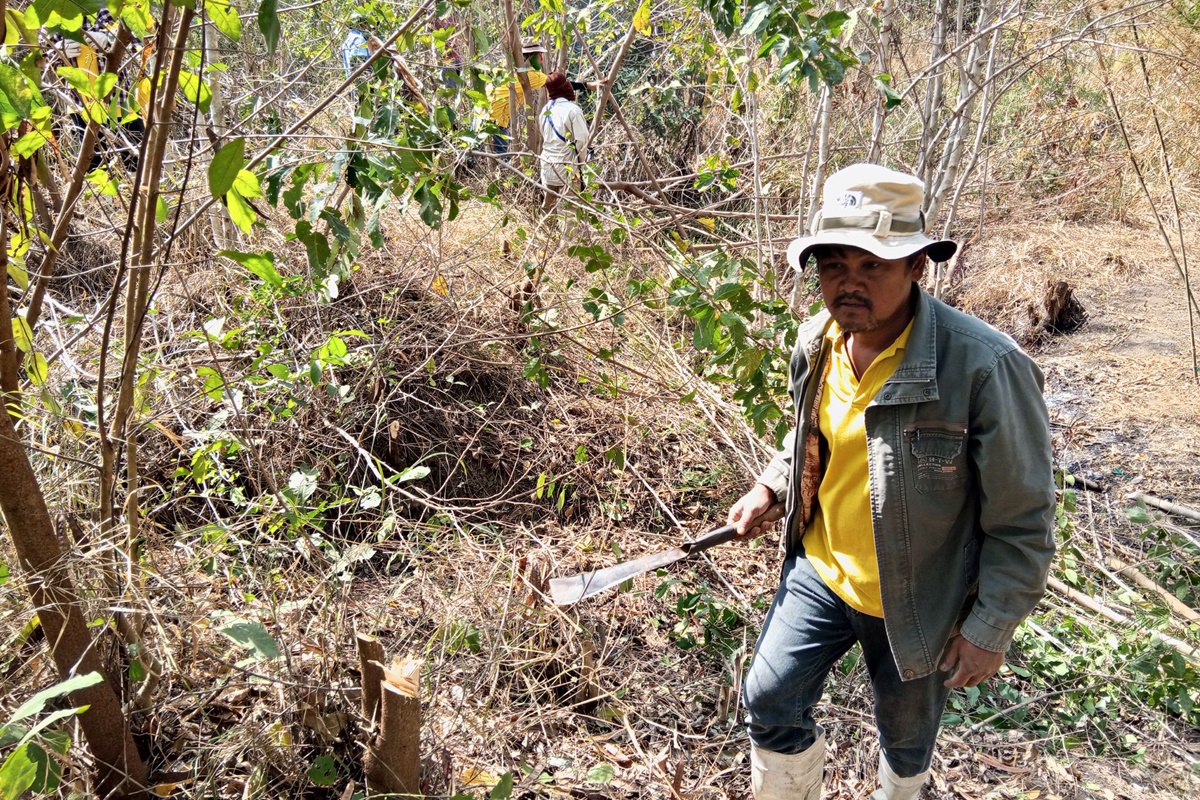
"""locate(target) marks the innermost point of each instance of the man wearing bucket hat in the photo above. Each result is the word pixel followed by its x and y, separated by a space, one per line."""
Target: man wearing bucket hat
pixel 919 494
pixel 498 103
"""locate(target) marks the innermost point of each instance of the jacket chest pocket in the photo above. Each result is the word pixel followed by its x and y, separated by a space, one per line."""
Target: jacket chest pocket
pixel 939 454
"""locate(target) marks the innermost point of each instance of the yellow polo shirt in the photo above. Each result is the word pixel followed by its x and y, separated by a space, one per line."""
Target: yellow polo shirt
pixel 498 96
pixel 840 539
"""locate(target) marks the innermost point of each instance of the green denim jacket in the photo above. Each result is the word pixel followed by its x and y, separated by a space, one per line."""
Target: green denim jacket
pixel 962 488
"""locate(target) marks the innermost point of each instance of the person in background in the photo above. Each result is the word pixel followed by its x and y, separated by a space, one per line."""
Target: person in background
pixel 919 490
pixel 354 46
pixel 99 37
pixel 498 96
pixel 564 140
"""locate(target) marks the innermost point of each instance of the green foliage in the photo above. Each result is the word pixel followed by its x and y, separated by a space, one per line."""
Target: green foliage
pixel 802 43
pixel 551 488
pixel 705 620
pixel 503 789
pixel 601 773
pixel 225 17
pixel 324 771
pixel 458 635
pixel 268 24
pixel 225 166
pixel 33 764
pixel 253 636
pixel 748 330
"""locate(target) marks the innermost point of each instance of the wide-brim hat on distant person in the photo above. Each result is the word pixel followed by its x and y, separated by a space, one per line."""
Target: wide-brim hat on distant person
pixel 531 45
pixel 875 209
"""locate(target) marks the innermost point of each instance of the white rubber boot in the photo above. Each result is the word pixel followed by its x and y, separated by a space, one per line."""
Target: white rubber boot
pixel 893 787
pixel 776 776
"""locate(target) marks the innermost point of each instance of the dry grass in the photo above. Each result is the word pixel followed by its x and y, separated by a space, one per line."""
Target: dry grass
pixel 452 567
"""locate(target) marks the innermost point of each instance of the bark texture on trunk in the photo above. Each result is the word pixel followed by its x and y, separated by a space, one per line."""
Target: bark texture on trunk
pixel 120 770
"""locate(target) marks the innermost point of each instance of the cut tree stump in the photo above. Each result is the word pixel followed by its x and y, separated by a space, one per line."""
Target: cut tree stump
pixel 1061 311
pixel 393 758
pixel 370 664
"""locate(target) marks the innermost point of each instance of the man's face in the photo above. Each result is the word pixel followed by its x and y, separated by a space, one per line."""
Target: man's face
pixel 862 291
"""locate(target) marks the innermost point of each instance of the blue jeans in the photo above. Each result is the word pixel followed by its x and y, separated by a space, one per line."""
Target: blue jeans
pixel 807 631
pixel 500 141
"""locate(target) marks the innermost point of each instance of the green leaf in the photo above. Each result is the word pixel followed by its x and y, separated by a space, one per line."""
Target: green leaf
pixel 64 15
pixel 99 178
pixel 38 369
pixel 22 334
pixel 19 274
pixel 136 13
pixel 16 90
pixel 1138 514
pixel 196 90
pixel 302 484
pixel 601 773
pixel 225 166
pixel 224 17
pixel 247 184
pixel 161 210
pixel 323 772
pixel 891 98
pixel 18 772
pixel 37 703
pixel 641 18
pixel 333 351
pixel 105 83
pixel 214 384
pixel 260 264
pixel 239 210
pixel 29 144
pixel 503 788
pixel 414 474
pixel 253 636
pixel 77 79
pixel 747 364
pixel 757 18
pixel 268 23
pixel 431 206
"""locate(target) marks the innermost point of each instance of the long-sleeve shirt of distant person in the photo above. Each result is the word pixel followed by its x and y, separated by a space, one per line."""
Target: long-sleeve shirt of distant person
pixel 498 95
pixel 564 140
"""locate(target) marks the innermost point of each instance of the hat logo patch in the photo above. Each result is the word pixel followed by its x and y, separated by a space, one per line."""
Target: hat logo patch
pixel 849 200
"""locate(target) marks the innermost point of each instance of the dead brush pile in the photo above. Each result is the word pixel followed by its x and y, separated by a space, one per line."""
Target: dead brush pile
pixel 422 488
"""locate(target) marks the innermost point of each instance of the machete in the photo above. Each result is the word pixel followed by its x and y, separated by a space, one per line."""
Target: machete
pixel 572 589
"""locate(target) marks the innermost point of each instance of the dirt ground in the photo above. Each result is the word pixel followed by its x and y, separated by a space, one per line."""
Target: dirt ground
pixel 1125 414
pixel 1124 404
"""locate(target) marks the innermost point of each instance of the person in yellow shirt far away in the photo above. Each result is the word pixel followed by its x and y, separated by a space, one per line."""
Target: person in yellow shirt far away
pixel 498 103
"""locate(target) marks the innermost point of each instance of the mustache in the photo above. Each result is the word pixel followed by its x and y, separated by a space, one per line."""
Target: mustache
pixel 851 296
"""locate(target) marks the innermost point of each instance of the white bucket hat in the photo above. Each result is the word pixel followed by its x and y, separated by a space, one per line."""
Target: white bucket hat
pixel 531 45
pixel 875 209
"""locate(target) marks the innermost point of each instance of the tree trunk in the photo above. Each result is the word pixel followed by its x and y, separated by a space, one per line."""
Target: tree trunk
pixel 519 62
pixel 932 103
pixel 882 56
pixel 970 80
pixel 120 771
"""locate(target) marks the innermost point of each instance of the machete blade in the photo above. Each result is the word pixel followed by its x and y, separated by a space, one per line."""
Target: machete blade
pixel 565 591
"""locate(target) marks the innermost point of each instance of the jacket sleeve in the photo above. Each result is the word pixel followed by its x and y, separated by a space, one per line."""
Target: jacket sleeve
pixel 778 475
pixel 1011 453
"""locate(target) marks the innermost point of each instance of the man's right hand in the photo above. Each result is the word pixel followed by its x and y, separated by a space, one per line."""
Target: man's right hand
pixel 750 507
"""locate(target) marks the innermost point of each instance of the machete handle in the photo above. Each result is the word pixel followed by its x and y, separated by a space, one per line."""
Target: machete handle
pixel 727 533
